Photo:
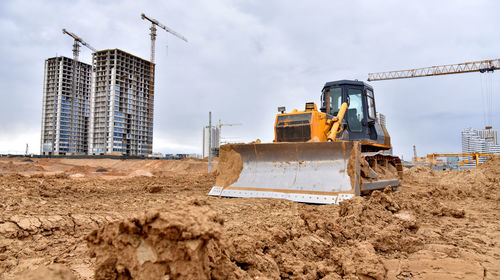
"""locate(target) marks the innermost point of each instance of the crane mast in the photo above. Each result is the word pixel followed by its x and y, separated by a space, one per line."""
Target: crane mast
pixel 466 67
pixel 153 29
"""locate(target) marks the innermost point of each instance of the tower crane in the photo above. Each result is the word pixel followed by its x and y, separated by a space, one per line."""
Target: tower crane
pixel 76 44
pixel 465 67
pixel 228 124
pixel 225 124
pixel 481 66
pixel 154 23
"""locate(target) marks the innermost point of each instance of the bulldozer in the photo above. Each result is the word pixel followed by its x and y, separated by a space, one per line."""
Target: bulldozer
pixel 320 156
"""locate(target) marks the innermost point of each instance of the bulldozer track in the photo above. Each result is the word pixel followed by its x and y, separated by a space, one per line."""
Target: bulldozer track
pixel 383 171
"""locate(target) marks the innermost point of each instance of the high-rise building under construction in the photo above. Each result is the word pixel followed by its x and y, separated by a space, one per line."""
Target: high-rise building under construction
pixel 121 104
pixel 65 106
pixel 480 141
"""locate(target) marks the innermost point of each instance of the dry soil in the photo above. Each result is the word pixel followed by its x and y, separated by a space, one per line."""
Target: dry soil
pixel 152 219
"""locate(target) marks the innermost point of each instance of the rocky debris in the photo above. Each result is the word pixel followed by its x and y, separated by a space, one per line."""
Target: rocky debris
pixel 154 188
pixel 449 212
pixel 360 262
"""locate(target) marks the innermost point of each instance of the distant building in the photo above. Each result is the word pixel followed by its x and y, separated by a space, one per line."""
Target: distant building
pixel 480 141
pixel 381 119
pixel 121 104
pixel 65 107
pixel 215 141
pixel 489 135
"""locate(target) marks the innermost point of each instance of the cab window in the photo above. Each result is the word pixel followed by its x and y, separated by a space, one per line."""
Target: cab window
pixel 355 111
pixel 371 104
pixel 335 100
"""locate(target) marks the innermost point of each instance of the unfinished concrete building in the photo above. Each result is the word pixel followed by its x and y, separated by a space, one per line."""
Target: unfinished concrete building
pixel 65 107
pixel 121 104
pixel 215 142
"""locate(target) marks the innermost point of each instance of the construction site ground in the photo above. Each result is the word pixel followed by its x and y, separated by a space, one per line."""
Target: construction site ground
pixel 437 225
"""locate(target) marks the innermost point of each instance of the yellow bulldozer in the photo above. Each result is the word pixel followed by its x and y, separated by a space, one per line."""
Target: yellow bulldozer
pixel 318 156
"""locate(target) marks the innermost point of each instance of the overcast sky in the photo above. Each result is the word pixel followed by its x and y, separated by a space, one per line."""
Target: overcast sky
pixel 246 58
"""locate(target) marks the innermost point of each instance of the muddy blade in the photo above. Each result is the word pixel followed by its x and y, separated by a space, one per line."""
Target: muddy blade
pixel 304 172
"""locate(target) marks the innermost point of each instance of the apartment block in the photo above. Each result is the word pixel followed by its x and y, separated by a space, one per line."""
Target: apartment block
pixel 215 141
pixel 65 107
pixel 489 135
pixel 121 104
pixel 381 119
pixel 480 141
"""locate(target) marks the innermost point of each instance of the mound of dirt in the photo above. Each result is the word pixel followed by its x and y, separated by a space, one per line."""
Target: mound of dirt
pixel 178 242
pixel 19 167
pixel 491 168
pixel 378 220
pixel 84 169
pixel 420 170
pixel 110 168
pixel 140 172
pixel 229 166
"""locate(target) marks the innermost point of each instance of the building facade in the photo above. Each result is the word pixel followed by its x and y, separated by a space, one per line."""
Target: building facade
pixel 480 141
pixel 489 135
pixel 381 119
pixel 215 141
pixel 121 104
pixel 65 107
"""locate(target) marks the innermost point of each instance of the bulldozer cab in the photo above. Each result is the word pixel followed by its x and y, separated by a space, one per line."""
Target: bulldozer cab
pixel 360 120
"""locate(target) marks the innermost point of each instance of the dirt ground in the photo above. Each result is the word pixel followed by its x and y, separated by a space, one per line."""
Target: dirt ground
pixel 106 219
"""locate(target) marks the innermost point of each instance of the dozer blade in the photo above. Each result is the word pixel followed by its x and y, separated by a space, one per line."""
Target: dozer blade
pixel 321 172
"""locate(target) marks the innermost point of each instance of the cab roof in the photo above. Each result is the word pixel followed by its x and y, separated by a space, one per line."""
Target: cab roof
pixel 347 82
